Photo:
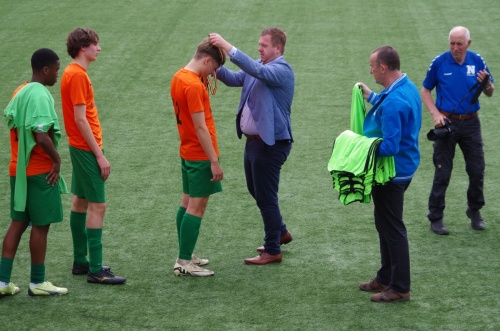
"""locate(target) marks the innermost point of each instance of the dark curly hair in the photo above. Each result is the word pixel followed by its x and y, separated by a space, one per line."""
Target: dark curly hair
pixel 43 57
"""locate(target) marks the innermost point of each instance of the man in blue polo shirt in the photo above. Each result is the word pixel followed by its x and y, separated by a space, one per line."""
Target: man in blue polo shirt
pixel 454 74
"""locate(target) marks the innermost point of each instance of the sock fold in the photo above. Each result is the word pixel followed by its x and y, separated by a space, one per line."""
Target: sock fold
pixel 37 273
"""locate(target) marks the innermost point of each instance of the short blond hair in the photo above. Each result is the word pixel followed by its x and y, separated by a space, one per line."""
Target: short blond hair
pixel 278 37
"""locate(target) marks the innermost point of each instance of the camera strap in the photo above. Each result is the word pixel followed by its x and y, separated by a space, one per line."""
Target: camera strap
pixel 479 89
pixel 476 95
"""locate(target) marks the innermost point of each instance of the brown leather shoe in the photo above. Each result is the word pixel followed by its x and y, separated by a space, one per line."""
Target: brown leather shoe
pixel 373 286
pixel 285 239
pixel 264 258
pixel 390 296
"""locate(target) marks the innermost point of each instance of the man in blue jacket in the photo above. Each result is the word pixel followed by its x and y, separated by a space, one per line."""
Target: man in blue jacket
pixel 264 119
pixel 396 116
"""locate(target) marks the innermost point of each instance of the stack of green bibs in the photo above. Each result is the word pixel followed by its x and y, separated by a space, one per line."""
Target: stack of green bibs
pixel 355 168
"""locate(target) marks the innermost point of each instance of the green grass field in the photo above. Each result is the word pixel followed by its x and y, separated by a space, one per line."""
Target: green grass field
pixel 454 278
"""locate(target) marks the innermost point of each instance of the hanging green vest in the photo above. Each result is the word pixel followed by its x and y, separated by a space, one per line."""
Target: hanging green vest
pixel 354 166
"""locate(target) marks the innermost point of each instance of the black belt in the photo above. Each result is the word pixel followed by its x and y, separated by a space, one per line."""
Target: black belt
pixel 257 137
pixel 459 117
pixel 252 136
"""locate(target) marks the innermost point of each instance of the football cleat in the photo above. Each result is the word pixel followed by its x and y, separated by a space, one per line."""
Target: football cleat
pixel 105 277
pixel 9 289
pixel 46 288
pixel 191 269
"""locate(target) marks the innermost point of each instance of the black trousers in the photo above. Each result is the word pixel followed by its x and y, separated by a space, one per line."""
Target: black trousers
pixel 394 251
pixel 469 139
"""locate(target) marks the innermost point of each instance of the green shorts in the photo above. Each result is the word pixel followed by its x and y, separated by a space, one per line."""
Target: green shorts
pixel 87 182
pixel 43 202
pixel 196 177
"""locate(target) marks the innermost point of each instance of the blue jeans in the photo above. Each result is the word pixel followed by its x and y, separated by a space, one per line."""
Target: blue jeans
pixel 469 139
pixel 394 250
pixel 262 164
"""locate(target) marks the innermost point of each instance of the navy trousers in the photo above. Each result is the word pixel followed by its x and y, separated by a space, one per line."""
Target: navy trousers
pixel 468 137
pixel 394 250
pixel 262 164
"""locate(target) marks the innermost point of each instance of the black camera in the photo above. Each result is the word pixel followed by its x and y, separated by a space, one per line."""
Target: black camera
pixel 447 130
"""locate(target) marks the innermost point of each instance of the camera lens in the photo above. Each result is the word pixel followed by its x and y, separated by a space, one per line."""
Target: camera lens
pixel 440 133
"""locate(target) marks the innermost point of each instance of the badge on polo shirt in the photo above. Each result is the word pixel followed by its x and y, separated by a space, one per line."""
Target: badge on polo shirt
pixel 471 70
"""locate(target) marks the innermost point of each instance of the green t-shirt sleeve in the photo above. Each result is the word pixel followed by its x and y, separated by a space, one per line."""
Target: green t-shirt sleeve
pixel 41 108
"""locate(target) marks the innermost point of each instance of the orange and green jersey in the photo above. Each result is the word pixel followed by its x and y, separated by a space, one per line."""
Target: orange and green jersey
pixel 39 161
pixel 76 89
pixel 30 111
pixel 189 96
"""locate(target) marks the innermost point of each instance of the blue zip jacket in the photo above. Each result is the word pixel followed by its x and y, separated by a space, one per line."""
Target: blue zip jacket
pixel 396 116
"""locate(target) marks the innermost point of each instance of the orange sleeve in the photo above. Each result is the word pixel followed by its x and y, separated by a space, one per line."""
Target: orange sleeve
pixel 79 88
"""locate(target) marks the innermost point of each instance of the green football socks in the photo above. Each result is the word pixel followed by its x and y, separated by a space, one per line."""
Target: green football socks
pixel 6 269
pixel 180 215
pixel 190 228
pixel 79 234
pixel 37 273
pixel 95 249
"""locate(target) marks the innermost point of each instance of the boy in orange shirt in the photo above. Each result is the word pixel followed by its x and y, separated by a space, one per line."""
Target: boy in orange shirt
pixel 90 166
pixel 201 171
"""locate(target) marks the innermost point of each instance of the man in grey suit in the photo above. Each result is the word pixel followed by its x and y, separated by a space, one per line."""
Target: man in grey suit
pixel 264 119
